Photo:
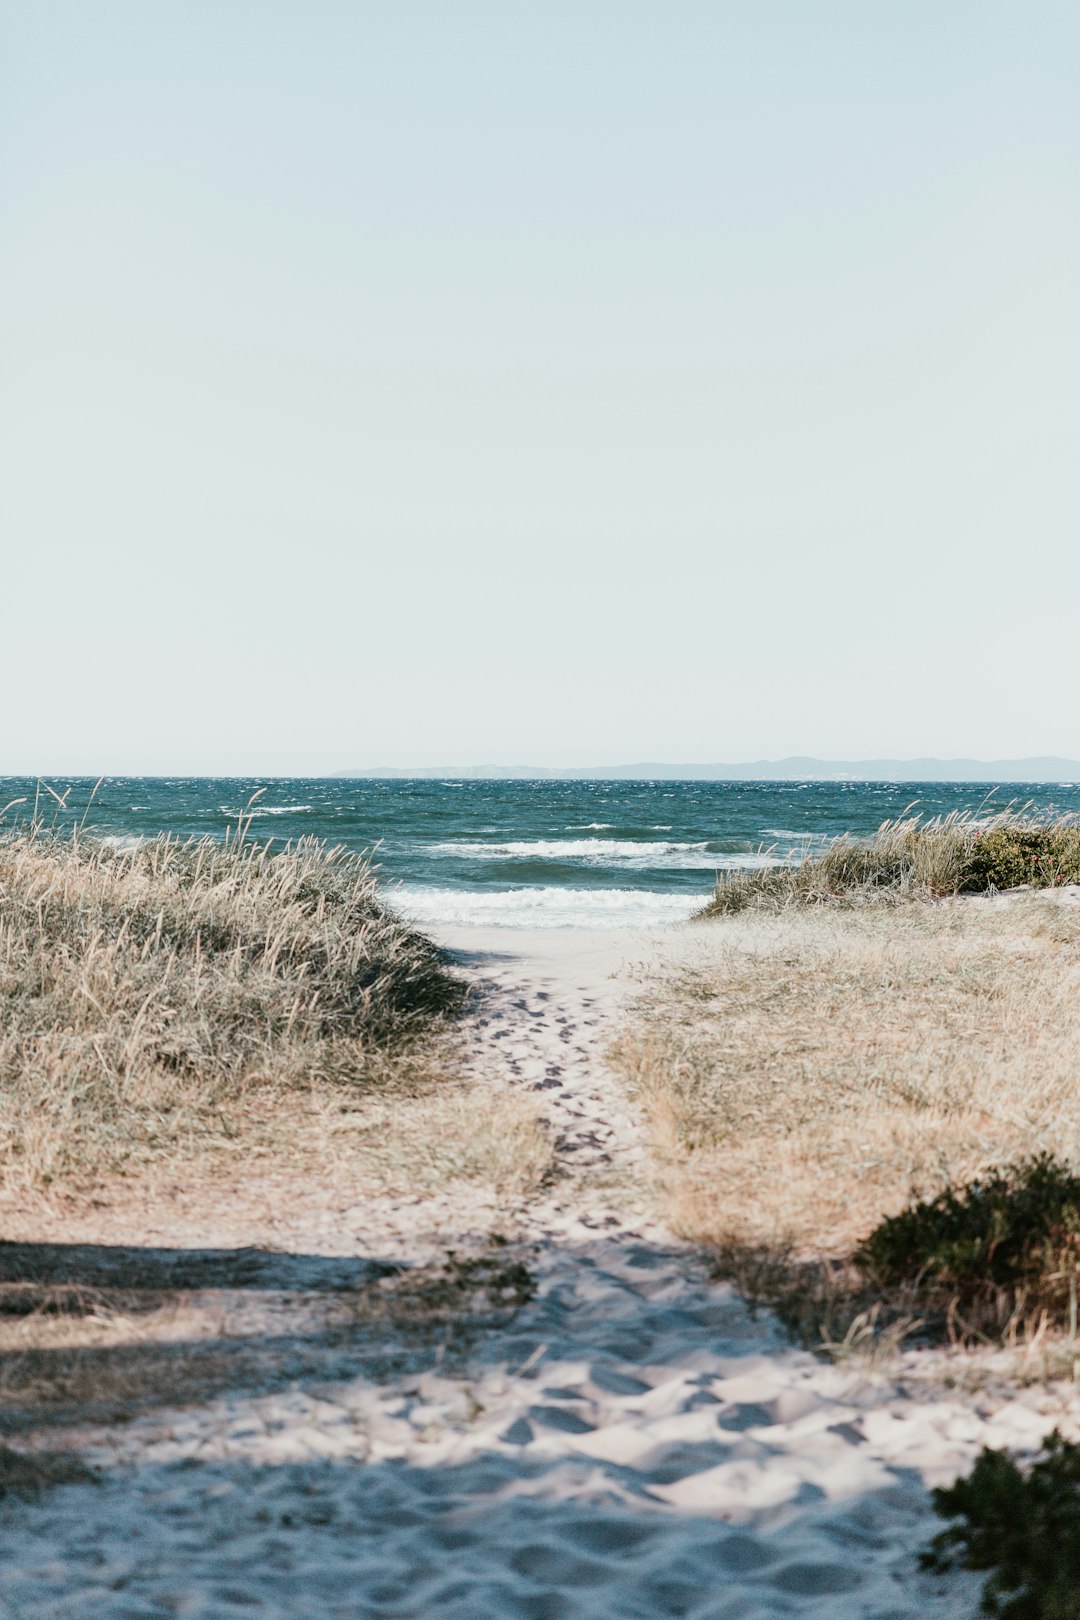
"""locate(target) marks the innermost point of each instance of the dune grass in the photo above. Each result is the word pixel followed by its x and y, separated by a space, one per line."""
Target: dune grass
pixel 233 1052
pixel 228 1050
pixel 913 858
pixel 146 992
pixel 806 1071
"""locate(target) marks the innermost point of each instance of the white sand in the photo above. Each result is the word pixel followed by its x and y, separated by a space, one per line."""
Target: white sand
pixel 632 1444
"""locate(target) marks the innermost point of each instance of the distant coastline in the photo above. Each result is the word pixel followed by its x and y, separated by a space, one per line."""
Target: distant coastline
pixel 796 768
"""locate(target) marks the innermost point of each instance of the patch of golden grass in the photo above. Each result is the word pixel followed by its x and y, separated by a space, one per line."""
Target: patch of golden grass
pixel 227 1045
pixel 218 1045
pixel 457 1135
pixel 152 998
pixel 804 1072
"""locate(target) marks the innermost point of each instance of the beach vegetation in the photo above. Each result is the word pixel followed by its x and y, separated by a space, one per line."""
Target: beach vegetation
pixel 913 858
pixel 1022 1524
pixel 151 994
pixel 206 1044
pixel 1007 1242
pixel 145 988
pixel 870 1116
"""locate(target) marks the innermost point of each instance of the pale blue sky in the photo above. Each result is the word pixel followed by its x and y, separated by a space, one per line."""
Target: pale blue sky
pixel 561 383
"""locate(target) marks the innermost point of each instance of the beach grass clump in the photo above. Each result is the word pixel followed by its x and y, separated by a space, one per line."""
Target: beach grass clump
pixel 1004 1245
pixel 914 858
pixel 145 990
pixel 1022 1525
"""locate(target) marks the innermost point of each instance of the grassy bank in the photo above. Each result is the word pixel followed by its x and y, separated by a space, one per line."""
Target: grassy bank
pixel 215 1059
pixel 807 1069
pixel 913 859
pixel 173 997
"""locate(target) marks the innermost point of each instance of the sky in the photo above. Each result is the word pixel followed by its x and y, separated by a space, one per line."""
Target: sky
pixel 473 381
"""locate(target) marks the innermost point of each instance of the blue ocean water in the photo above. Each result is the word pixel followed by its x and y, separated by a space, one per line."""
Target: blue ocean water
pixel 533 853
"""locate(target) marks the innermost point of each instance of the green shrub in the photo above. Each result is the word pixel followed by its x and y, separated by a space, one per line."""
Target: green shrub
pixel 1007 1243
pixel 1024 1527
pixel 1006 857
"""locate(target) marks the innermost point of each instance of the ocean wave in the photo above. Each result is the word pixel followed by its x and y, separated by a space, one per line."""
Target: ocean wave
pixel 633 854
pixel 564 849
pixel 543 907
pixel 610 826
pixel 266 810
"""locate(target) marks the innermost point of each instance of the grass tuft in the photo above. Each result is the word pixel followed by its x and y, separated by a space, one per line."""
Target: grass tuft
pixel 145 991
pixel 912 858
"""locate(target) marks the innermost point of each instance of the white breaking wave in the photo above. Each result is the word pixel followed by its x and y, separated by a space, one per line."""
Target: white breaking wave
pixel 553 849
pixel 265 810
pixel 609 826
pixel 543 907
pixel 638 853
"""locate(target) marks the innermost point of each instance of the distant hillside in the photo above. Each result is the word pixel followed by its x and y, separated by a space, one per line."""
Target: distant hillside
pixel 795 769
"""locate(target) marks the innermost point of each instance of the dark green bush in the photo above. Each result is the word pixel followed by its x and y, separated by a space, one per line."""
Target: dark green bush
pixel 1006 857
pixel 1010 1241
pixel 1024 1527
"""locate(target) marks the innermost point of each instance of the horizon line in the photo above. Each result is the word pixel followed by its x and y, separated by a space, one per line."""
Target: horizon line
pixel 1031 768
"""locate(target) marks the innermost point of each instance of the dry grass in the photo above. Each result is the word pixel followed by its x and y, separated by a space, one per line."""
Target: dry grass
pixel 459 1135
pixel 803 1072
pixel 151 996
pixel 910 859
pixel 211 1016
pixel 209 1045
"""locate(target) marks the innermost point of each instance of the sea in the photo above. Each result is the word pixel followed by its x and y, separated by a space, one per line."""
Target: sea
pixel 538 854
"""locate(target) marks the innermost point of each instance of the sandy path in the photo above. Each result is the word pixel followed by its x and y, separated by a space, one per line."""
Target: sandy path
pixel 632 1443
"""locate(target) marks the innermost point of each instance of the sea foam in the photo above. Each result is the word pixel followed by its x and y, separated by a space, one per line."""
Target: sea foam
pixel 638 853
pixel 537 907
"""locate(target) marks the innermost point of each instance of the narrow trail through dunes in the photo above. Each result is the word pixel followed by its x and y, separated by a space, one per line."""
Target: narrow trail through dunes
pixel 629 1442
